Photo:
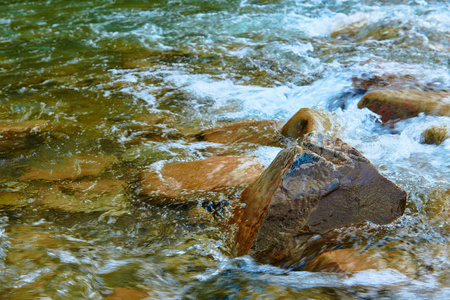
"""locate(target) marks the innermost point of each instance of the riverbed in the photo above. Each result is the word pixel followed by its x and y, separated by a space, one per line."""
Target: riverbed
pixel 96 71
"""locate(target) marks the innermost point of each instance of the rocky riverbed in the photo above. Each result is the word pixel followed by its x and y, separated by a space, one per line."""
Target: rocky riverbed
pixel 226 150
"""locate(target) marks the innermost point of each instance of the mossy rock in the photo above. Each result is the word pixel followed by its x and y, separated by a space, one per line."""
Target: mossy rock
pixel 434 136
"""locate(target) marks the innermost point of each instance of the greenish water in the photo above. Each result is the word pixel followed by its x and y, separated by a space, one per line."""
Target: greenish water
pixel 96 70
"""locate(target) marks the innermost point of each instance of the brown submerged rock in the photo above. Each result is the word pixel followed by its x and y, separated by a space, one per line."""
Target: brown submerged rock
pixel 311 189
pixel 126 294
pixel 21 136
pixel 86 196
pixel 10 200
pixel 351 260
pixel 156 128
pixel 403 104
pixel 263 132
pixel 72 168
pixel 177 179
pixel 369 82
pixel 305 121
pixel 434 136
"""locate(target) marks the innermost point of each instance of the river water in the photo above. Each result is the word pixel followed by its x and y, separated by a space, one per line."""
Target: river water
pixel 99 66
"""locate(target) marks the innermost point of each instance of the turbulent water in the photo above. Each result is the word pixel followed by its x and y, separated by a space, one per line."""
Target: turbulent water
pixel 98 67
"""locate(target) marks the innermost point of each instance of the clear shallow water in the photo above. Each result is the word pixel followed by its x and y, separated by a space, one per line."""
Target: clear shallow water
pixel 99 66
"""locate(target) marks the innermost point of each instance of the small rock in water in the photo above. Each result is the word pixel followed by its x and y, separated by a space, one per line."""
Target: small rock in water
pixel 394 105
pixel 311 189
pixel 263 132
pixel 178 179
pixel 434 136
pixel 437 208
pixel 305 121
pixel 349 31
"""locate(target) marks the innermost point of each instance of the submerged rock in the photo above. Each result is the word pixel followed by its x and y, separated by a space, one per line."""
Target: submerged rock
pixel 368 82
pixel 351 260
pixel 72 168
pixel 349 31
pixel 403 104
pixel 156 128
pixel 9 200
pixel 311 189
pixel 29 245
pixel 21 136
pixel 126 293
pixel 86 196
pixel 178 179
pixel 437 208
pixel 263 132
pixel 305 121
pixel 434 136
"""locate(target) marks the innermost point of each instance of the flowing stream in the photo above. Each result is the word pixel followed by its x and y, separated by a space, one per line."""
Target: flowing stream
pixel 95 69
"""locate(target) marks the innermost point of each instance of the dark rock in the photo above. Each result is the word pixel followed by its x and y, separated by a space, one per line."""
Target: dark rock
pixel 311 189
pixel 403 104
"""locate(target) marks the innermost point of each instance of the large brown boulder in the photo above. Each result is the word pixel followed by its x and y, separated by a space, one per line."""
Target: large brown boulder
pixel 263 132
pixel 175 180
pixel 305 121
pixel 311 189
pixel 404 104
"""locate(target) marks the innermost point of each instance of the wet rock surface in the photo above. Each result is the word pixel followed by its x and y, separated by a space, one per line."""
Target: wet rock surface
pixel 308 190
pixel 21 136
pixel 73 167
pixel 351 260
pixel 369 82
pixel 156 128
pixel 177 179
pixel 394 105
pixel 263 132
pixel 9 200
pixel 305 121
pixel 434 135
pixel 86 196
pixel 126 293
